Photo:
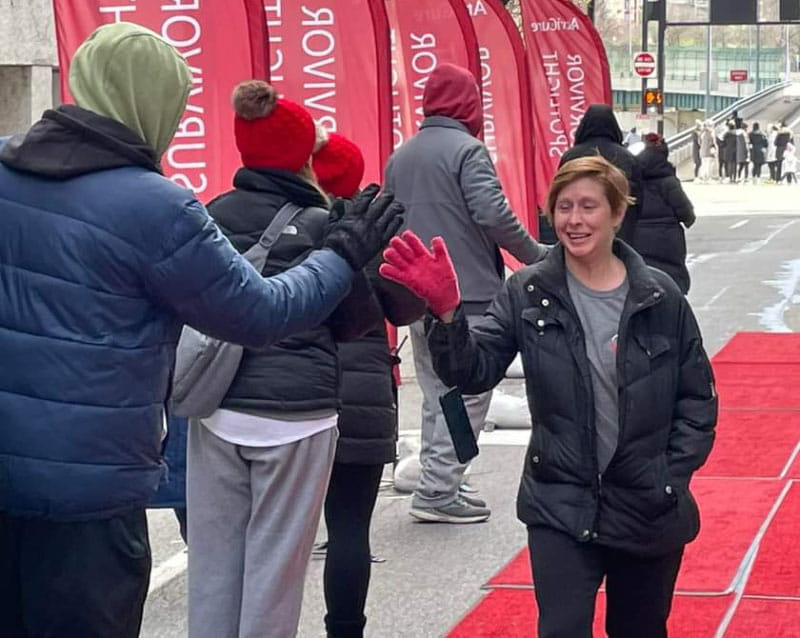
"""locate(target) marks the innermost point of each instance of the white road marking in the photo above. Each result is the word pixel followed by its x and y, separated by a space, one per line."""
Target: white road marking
pixel 742 576
pixel 710 302
pixel 753 246
pixel 790 462
pixel 692 260
pixel 166 571
pixel 738 224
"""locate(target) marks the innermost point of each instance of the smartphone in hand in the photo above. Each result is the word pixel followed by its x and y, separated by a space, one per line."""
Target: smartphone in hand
pixel 455 415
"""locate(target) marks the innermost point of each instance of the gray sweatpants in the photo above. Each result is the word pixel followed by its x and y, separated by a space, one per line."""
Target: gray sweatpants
pixel 253 516
pixel 441 473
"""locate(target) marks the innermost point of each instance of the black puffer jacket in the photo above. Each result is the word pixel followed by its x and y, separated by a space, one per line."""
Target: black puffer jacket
pixel 659 236
pixel 300 373
pixel 758 147
pixel 668 405
pixel 600 133
pixel 368 421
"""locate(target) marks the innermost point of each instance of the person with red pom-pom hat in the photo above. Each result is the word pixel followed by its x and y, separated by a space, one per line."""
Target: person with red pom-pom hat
pixel 367 421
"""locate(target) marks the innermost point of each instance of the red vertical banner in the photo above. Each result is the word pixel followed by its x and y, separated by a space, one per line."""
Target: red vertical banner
pixel 507 110
pixel 569 71
pixel 425 33
pixel 333 57
pixel 223 41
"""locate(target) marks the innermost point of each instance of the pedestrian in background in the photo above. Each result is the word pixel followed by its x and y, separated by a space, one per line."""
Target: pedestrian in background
pixel 708 152
pixel 782 140
pixel 258 467
pixel 599 132
pixel 445 178
pixel 631 137
pixel 666 210
pixel 758 151
pixel 789 164
pixel 697 156
pixel 742 154
pixel 772 158
pixel 621 392
pixel 367 419
pixel 730 152
pixel 110 258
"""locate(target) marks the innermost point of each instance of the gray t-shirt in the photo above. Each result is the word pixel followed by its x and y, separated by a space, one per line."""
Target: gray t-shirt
pixel 600 313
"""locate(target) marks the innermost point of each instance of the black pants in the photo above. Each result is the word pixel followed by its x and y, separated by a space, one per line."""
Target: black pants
pixel 757 169
pixel 567 575
pixel 744 167
pixel 730 170
pixel 352 492
pixel 87 579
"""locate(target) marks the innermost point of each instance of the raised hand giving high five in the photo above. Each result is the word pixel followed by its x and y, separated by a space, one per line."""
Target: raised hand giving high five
pixel 428 274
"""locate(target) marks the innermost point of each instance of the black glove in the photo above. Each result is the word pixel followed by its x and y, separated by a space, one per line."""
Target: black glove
pixel 364 226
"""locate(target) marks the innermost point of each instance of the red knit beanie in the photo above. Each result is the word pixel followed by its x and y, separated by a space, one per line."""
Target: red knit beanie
pixel 271 132
pixel 339 166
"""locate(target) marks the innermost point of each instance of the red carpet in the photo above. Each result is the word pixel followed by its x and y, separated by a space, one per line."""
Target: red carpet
pixel 757 618
pixel 731 513
pixel 760 347
pixel 758 387
pixel 513 614
pixel 777 568
pixel 794 471
pixel 769 438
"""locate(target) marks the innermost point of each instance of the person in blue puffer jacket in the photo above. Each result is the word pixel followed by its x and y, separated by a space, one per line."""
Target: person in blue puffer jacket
pixel 102 259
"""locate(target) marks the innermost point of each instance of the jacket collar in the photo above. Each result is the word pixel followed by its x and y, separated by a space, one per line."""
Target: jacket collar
pixel 443 121
pixel 551 275
pixel 285 184
pixel 71 141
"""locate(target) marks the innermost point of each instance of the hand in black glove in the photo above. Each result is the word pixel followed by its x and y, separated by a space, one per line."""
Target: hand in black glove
pixel 364 226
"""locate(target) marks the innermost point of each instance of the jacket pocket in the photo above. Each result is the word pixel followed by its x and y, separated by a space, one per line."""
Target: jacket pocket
pixel 663 496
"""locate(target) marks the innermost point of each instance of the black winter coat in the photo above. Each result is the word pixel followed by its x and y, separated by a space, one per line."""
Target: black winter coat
pixel 781 141
pixel 668 404
pixel 729 146
pixel 659 236
pixel 600 133
pixel 300 373
pixel 758 147
pixel 368 420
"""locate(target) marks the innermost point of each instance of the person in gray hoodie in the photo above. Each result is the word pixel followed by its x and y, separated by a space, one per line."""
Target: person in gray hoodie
pixel 445 178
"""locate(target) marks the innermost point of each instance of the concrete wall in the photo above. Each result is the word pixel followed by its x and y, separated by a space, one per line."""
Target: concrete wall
pixel 27 61
pixel 27 33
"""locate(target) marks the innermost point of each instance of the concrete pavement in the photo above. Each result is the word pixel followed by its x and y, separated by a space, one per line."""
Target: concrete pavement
pixel 745 266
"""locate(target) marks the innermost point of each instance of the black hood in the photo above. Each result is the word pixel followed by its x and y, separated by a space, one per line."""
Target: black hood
pixel 654 162
pixel 71 141
pixel 284 184
pixel 598 121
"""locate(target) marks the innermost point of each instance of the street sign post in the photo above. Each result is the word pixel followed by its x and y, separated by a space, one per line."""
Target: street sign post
pixel 738 76
pixel 644 64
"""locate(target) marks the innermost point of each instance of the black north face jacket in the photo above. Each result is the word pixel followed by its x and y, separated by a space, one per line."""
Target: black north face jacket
pixel 668 405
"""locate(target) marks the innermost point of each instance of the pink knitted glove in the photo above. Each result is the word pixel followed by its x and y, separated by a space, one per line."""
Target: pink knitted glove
pixel 429 275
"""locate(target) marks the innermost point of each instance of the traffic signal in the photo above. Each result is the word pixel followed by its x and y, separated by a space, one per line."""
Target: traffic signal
pixel 733 11
pixel 653 97
pixel 790 10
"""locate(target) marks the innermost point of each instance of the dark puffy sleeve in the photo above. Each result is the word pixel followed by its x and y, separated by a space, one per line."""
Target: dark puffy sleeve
pixel 695 414
pixel 475 359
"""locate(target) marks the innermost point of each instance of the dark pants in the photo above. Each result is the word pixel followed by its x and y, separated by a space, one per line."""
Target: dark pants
pixel 744 167
pixel 86 579
pixel 352 492
pixel 730 170
pixel 567 575
pixel 757 169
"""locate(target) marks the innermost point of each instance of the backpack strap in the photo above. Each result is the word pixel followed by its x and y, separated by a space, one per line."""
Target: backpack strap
pixel 258 254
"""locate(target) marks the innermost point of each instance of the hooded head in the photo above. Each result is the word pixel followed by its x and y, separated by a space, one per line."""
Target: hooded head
pixel 452 91
pixel 599 121
pixel 128 73
pixel 339 166
pixel 270 131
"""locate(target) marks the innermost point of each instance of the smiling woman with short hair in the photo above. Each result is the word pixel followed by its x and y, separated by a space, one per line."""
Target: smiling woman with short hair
pixel 621 394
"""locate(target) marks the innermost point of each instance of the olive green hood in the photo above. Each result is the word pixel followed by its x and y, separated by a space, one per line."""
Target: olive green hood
pixel 128 73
